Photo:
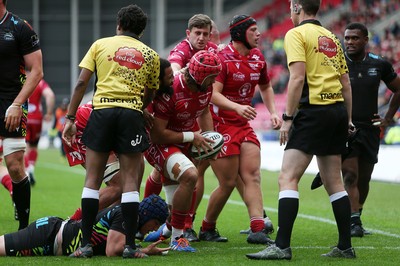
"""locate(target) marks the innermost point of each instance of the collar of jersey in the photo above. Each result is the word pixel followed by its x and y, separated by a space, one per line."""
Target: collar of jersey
pixel 4 18
pixel 348 57
pixel 312 21
pixel 130 34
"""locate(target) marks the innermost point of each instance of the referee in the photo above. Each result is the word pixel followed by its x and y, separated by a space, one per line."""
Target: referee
pixel 316 122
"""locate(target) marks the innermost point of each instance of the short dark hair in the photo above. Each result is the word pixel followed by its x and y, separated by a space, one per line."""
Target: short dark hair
pixel 164 64
pixel 132 19
pixel 5 2
pixel 310 7
pixel 358 26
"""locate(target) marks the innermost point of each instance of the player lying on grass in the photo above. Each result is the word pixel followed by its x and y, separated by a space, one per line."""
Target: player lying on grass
pixel 53 236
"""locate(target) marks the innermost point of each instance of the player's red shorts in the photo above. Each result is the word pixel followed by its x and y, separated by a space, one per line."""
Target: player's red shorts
pixel 76 154
pixel 156 155
pixel 234 137
pixel 33 131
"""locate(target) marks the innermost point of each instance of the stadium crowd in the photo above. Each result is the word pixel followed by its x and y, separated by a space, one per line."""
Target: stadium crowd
pixel 385 43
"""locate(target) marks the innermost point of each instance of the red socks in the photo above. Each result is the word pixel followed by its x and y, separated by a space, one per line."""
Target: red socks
pixel 7 183
pixel 152 187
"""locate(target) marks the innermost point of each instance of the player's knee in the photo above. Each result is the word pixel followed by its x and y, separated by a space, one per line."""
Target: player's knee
pixel 16 171
pixel 180 168
pixel 228 184
pixel 350 179
pixel 254 179
pixel 189 177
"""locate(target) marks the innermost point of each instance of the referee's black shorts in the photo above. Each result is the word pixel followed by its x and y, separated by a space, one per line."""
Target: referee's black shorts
pixel 121 130
pixel 320 130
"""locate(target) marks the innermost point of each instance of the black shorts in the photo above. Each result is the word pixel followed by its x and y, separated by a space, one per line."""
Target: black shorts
pixel 366 144
pixel 320 130
pixel 35 240
pixel 21 132
pixel 120 130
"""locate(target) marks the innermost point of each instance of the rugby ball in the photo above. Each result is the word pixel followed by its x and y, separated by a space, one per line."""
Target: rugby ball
pixel 216 145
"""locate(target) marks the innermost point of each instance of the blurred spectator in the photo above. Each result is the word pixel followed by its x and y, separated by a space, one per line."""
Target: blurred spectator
pixel 36 117
pixel 393 134
pixel 59 121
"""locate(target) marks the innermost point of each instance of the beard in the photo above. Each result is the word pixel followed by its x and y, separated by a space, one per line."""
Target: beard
pixel 165 89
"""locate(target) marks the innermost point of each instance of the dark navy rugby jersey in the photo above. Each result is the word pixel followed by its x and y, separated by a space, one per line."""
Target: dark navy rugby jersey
pixel 17 38
pixel 106 220
pixel 365 78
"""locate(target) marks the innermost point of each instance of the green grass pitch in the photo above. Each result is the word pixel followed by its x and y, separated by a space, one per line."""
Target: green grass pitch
pixel 59 187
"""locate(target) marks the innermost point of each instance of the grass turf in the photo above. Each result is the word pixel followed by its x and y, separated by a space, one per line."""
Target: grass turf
pixel 58 190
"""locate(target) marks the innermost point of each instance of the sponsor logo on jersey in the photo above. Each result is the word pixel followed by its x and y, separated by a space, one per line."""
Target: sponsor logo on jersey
pixel 118 100
pixel 254 66
pixel 255 57
pixel 183 116
pixel 327 46
pixel 330 96
pixel 129 57
pixel 166 97
pixel 34 40
pixel 238 76
pixel 373 72
pixel 9 36
pixel 161 107
pixel 245 90
pixel 254 76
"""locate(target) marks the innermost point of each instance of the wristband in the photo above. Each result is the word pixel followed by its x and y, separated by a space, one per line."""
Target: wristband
pixel 286 117
pixel 70 117
pixel 188 136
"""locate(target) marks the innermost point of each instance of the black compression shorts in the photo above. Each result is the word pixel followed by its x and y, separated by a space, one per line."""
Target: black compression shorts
pixel 35 240
pixel 366 144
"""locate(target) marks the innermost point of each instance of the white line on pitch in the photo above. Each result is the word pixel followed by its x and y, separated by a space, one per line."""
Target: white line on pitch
pixel 80 170
pixel 313 218
pixel 298 247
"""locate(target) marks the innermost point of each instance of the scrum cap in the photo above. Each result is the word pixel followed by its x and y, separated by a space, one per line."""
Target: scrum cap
pixel 152 207
pixel 238 27
pixel 204 64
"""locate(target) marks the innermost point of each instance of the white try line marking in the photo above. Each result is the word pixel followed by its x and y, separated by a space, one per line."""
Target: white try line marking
pixel 297 247
pixel 80 170
pixel 311 217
